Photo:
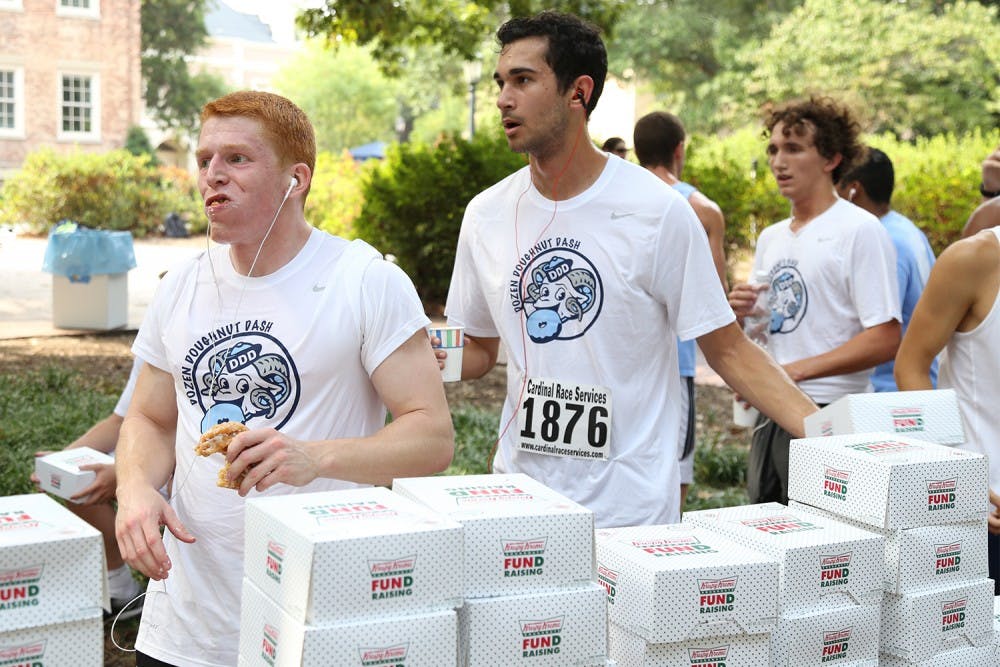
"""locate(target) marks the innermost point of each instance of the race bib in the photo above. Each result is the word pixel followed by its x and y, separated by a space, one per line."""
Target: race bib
pixel 565 419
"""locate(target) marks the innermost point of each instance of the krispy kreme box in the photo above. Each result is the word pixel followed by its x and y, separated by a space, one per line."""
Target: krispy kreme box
pixel 918 626
pixel 51 564
pixel 969 656
pixel 928 556
pixel 59 473
pixel 554 628
pixel 631 650
pixel 352 553
pixel 996 629
pixel 271 638
pixel 676 582
pixel 74 642
pixel 519 534
pixel 931 415
pixel 840 636
pixel 824 563
pixel 888 481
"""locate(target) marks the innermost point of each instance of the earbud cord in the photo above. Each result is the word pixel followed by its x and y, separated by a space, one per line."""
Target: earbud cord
pixel 215 376
pixel 523 317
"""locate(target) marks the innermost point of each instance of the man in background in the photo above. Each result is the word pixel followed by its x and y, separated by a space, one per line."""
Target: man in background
pixel 659 141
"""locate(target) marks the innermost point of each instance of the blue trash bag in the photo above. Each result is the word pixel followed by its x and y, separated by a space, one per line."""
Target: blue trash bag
pixel 78 252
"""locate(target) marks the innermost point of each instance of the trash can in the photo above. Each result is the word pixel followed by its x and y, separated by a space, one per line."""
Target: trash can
pixel 89 270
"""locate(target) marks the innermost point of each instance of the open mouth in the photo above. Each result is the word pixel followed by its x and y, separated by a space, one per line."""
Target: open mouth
pixel 509 125
pixel 216 200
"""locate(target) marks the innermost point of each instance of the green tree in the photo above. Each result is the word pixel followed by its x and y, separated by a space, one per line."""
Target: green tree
pixel 907 69
pixel 172 30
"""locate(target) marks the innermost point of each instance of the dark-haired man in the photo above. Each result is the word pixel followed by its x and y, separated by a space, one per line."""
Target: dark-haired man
pixel 586 268
pixel 870 185
pixel 833 292
pixel 659 141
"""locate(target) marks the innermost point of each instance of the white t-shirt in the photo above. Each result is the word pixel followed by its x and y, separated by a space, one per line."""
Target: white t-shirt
pixel 589 294
pixel 830 280
pixel 297 357
pixel 125 398
pixel 971 368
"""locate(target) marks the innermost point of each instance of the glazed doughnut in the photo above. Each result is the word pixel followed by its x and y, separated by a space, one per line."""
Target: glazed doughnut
pixel 216 440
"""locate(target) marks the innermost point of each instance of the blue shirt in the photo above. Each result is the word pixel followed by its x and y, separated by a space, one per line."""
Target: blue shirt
pixel 685 348
pixel 914 259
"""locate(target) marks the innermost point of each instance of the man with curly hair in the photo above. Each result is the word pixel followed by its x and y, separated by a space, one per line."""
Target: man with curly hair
pixel 834 297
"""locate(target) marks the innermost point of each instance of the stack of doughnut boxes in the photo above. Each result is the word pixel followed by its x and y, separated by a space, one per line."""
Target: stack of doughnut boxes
pixel 52 585
pixel 531 596
pixel 360 577
pixel 927 500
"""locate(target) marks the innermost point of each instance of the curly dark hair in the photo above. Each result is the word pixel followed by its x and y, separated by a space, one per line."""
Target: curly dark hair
pixel 575 48
pixel 837 130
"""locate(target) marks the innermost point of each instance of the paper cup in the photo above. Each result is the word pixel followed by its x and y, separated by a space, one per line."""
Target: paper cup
pixel 744 416
pixel 452 341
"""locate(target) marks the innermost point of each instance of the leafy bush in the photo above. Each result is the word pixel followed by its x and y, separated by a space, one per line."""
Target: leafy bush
pixel 114 190
pixel 415 199
pixel 335 197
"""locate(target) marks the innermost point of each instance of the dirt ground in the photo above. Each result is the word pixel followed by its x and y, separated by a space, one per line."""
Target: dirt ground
pixel 107 357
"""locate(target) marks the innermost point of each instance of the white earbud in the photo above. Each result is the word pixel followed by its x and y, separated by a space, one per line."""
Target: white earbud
pixel 292 185
pixel 851 193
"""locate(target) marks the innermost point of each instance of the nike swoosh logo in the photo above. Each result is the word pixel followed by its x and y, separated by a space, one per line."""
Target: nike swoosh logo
pixel 318 288
pixel 616 216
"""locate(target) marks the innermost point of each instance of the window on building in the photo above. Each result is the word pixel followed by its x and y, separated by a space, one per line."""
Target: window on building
pixel 15 5
pixel 11 102
pixel 78 107
pixel 89 8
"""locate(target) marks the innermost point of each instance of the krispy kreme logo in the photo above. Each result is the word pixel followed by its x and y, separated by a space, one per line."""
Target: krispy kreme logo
pixel 907 420
pixel 609 579
pixel 826 428
pixel 708 657
pixel 269 644
pixel 835 483
pixel 386 656
pixel 782 524
pixel 369 509
pixel 26 655
pixel 834 570
pixel 716 595
pixel 17 520
pixel 392 578
pixel 541 638
pixel 275 555
pixel 883 447
pixel 488 493
pixel 835 645
pixel 947 558
pixel 673 546
pixel 19 587
pixel 82 459
pixel 55 480
pixel 523 557
pixel 953 615
pixel 941 494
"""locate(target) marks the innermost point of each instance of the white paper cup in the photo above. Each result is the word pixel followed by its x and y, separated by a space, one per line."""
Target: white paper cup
pixel 744 416
pixel 452 342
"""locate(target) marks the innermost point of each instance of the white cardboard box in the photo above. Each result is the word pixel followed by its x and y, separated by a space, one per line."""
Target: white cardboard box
pixel 918 626
pixel 75 642
pixel 52 566
pixel 824 563
pixel 841 636
pixel 931 415
pixel 888 481
pixel 929 556
pixel 101 303
pixel 969 656
pixel 677 582
pixel 519 534
pixel 554 628
pixel 59 473
pixel 353 553
pixel 271 638
pixel 996 629
pixel 631 650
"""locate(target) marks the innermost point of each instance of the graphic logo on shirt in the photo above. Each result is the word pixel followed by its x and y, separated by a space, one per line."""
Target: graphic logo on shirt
pixel 558 289
pixel 240 372
pixel 835 644
pixel 787 297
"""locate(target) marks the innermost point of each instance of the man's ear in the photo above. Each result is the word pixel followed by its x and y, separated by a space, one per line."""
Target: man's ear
pixel 833 163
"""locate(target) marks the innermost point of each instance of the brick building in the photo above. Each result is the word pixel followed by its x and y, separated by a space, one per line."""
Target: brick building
pixel 69 76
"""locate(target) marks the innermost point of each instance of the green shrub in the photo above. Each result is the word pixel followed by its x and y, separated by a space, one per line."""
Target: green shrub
pixel 335 197
pixel 415 199
pixel 114 190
